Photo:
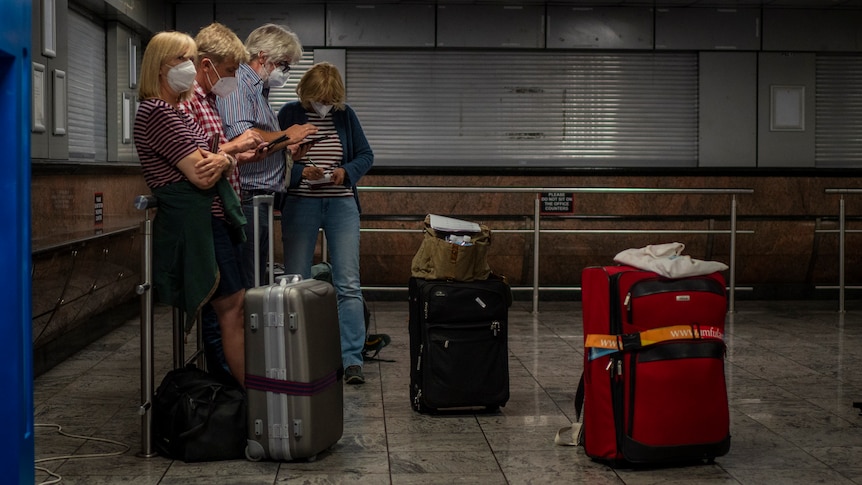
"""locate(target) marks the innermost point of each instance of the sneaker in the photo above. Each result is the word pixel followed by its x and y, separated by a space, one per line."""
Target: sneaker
pixel 353 375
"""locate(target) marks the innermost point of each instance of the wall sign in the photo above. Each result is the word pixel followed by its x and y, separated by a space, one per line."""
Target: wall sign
pixel 557 203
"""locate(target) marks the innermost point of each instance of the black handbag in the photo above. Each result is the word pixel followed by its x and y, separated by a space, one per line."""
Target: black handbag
pixel 199 417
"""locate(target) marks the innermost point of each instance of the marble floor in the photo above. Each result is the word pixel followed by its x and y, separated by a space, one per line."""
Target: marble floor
pixel 793 371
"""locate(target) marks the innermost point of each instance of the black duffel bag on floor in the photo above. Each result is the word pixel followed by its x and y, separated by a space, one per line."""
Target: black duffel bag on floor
pixel 198 417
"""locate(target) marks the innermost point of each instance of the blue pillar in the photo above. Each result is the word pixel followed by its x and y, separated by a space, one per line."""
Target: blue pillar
pixel 16 355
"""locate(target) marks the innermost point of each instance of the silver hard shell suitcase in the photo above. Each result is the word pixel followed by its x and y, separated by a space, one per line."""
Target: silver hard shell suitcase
pixel 293 370
pixel 293 366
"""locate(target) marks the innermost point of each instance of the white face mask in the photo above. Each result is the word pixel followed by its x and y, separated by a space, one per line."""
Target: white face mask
pixel 321 109
pixel 277 78
pixel 182 76
pixel 224 86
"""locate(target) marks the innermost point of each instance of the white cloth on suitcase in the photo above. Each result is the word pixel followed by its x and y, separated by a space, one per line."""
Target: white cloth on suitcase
pixel 667 260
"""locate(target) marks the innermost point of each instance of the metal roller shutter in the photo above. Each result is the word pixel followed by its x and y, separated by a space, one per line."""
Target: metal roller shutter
pixel 530 109
pixel 838 116
pixel 87 96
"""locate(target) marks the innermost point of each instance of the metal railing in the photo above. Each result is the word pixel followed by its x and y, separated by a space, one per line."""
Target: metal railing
pixel 145 290
pixel 537 217
pixel 842 231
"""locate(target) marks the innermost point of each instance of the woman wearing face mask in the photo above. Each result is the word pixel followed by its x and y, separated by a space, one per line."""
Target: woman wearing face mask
pixel 322 194
pixel 219 54
pixel 199 220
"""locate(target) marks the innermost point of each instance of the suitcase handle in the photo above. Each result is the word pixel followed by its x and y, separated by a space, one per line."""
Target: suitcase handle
pixel 269 201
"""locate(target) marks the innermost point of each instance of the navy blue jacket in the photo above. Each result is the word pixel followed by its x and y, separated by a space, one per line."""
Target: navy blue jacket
pixel 357 158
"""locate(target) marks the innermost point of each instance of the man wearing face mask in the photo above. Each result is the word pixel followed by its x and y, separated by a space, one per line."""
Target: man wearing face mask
pixel 219 54
pixel 271 49
pixel 322 195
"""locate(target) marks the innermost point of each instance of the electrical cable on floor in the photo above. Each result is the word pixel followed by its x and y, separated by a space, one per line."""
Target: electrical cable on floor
pixel 57 478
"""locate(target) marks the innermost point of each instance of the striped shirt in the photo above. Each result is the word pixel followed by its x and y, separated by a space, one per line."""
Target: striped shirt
pixel 202 107
pixel 247 107
pixel 327 155
pixel 164 136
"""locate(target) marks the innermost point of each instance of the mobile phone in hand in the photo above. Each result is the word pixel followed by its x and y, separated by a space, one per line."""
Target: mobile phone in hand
pixel 214 143
pixel 271 144
pixel 278 140
pixel 310 141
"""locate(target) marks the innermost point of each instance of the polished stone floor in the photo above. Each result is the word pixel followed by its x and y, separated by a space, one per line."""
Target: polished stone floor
pixel 793 371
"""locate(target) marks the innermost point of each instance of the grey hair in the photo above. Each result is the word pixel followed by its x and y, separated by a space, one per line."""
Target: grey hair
pixel 277 41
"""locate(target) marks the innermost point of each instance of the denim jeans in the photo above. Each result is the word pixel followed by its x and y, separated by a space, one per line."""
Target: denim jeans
pixel 301 219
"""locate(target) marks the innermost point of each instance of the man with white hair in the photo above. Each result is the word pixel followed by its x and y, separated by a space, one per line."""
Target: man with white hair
pixel 272 49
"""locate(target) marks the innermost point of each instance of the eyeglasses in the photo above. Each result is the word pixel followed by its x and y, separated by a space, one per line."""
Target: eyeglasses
pixel 283 65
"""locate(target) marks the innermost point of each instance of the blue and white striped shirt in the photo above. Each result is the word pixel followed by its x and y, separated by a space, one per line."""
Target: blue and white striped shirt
pixel 247 107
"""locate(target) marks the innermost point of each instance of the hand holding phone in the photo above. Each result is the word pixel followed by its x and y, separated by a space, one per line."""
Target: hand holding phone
pixel 278 140
pixel 310 141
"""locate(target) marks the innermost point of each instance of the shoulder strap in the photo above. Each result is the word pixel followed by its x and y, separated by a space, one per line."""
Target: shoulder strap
pixel 573 435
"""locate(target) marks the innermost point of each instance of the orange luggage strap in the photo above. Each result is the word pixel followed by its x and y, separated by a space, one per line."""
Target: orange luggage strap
pixel 606 344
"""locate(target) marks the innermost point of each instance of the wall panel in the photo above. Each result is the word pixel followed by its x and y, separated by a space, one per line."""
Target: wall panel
pixel 812 30
pixel 306 20
pixel 513 26
pixel 727 109
pixel 571 27
pixel 380 25
pixel 707 28
pixel 785 147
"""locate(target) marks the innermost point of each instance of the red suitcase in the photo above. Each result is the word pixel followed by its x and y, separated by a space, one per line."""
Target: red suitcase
pixel 653 388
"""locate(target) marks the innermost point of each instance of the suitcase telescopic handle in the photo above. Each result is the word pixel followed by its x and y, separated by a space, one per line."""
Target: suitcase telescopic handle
pixel 269 201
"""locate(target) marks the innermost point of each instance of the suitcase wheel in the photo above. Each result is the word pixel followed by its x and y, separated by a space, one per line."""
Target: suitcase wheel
pixel 254 451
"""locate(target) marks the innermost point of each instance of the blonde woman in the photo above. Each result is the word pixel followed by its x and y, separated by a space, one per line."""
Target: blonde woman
pixel 199 221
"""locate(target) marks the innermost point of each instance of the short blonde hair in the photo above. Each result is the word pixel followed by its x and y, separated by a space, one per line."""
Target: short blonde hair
pixel 219 43
pixel 322 83
pixel 163 47
pixel 277 41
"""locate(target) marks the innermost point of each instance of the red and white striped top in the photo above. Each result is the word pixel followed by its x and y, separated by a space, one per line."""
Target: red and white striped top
pixel 327 155
pixel 164 136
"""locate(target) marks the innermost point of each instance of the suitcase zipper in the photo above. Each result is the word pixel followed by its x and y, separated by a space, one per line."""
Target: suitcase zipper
pixel 416 399
pixel 495 327
pixel 653 286
pixel 614 367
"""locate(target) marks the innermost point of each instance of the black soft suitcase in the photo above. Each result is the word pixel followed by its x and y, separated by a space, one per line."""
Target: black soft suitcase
pixel 459 353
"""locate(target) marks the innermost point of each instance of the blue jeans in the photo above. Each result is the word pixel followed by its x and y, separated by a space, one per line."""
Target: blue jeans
pixel 301 219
